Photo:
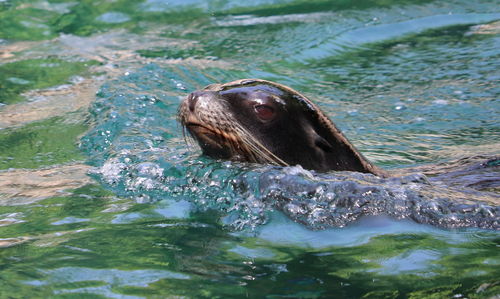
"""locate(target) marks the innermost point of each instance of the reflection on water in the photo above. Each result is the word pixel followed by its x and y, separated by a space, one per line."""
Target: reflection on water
pixel 112 278
pixel 411 83
pixel 26 186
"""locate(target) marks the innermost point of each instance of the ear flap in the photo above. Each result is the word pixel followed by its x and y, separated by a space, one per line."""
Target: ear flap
pixel 322 143
pixel 339 153
pixel 317 139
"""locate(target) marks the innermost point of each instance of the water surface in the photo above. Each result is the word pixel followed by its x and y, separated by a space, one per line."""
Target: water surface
pixel 101 197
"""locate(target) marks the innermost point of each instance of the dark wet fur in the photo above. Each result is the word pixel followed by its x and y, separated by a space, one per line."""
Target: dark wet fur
pixel 301 134
pixel 480 172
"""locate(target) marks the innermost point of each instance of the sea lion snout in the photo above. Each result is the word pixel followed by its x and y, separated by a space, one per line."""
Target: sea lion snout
pixel 191 99
pixel 201 96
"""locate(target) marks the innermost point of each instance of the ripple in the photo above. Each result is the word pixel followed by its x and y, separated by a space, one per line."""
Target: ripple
pixel 379 33
pixel 113 18
pixel 110 278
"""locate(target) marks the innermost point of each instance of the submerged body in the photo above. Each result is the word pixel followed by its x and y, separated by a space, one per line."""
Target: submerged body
pixel 265 122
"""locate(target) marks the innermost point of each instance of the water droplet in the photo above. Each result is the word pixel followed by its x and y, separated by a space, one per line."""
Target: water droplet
pixel 440 102
pixel 400 106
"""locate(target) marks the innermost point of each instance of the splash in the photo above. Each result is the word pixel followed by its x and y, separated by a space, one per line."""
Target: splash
pixel 138 151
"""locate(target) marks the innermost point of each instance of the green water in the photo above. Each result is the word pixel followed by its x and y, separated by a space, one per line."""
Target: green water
pixel 100 197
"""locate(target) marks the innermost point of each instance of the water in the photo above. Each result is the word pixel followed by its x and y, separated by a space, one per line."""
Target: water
pixel 101 197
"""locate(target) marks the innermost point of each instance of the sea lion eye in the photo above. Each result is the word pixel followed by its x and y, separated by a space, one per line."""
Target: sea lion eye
pixel 264 112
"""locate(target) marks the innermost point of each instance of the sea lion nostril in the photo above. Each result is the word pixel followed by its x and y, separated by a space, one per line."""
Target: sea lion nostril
pixel 192 98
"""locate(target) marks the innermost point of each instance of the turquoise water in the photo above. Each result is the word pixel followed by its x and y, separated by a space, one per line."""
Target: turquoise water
pixel 100 196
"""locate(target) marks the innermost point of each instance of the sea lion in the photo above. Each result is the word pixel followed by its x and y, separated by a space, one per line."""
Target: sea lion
pixel 261 121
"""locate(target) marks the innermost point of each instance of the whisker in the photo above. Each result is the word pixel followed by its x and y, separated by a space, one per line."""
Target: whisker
pixel 232 135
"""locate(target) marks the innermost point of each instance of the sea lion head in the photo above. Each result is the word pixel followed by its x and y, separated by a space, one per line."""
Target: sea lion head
pixel 265 122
